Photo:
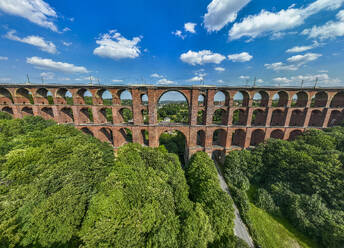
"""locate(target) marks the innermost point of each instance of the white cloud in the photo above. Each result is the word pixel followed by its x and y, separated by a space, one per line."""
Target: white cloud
pixel 267 22
pixel 299 49
pixel 302 59
pixel 58 66
pixel 179 34
pixel 222 12
pixel 48 75
pixel 244 77
pixel 67 44
pixel 196 79
pixel 190 27
pixel 156 75
pixel 36 11
pixel 3 58
pixel 66 29
pixel 116 80
pixel 202 57
pixel 220 81
pixel 328 31
pixel 281 80
pixel 219 69
pixel 240 57
pixel 46 46
pixel 279 66
pixel 323 78
pixel 113 45
pixel 259 80
pixel 165 81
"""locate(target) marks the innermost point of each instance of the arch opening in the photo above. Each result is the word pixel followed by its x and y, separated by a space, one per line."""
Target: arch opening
pixel 44 96
pixel 106 115
pixel 173 107
pixel 27 111
pixel 299 99
pixel 297 118
pixel 239 117
pixel 7 110
pixel 126 135
pixel 317 119
pixel 241 99
pixel 201 100
pixel 175 142
pixel 220 117
pixel 258 118
pixel 106 135
pixel 200 138
pixel 67 115
pixel 219 137
pixel 87 131
pixel 64 96
pixel 277 134
pixel 260 99
pixel 126 115
pixel 220 99
pixel 338 100
pixel 201 117
pixel 84 96
pixel 280 99
pixel 145 116
pixel 277 118
pixel 25 96
pixel 145 137
pixel 48 113
pixel 5 96
pixel 257 137
pixel 144 99
pixel 238 138
pixel 86 115
pixel 336 118
pixel 126 98
pixel 294 134
pixel 319 100
pixel 106 97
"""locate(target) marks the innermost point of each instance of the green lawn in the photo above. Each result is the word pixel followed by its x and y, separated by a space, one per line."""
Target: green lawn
pixel 276 232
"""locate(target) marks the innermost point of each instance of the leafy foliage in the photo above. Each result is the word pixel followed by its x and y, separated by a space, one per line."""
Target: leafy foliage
pixel 205 189
pixel 301 180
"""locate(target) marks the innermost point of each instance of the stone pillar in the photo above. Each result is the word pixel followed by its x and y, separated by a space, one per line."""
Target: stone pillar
pixel 76 114
pixel 210 106
pixel 269 116
pixel 248 137
pixel 56 113
pixel 153 137
pixel 327 118
pixel 249 113
pixel 194 106
pixel 287 116
pixel 137 115
pixel 308 117
pixel 95 113
pixel 96 99
pixel 152 107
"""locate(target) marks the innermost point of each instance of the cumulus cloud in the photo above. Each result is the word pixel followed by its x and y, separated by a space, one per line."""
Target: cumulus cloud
pixel 190 27
pixel 37 41
pixel 67 44
pixel 222 12
pixel 116 80
pixel 202 57
pixel 165 81
pixel 156 75
pixel 196 79
pixel 36 11
pixel 299 49
pixel 48 75
pixel 266 22
pixel 279 66
pixel 3 58
pixel 323 78
pixel 244 77
pixel 113 45
pixel 330 30
pixel 302 59
pixel 219 69
pixel 240 57
pixel 179 34
pixel 259 80
pixel 53 65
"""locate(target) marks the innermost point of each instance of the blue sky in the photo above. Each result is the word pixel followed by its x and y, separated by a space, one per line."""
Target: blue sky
pixel 219 42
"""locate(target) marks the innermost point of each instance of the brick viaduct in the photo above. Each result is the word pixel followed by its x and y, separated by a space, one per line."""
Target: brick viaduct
pixel 281 113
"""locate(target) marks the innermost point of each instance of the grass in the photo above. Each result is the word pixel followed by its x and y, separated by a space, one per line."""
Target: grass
pixel 275 231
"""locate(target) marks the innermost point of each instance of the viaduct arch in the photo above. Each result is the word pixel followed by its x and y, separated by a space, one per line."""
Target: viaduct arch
pixel 260 113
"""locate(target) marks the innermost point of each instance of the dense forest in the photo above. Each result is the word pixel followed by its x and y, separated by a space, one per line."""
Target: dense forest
pixel 62 188
pixel 302 181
